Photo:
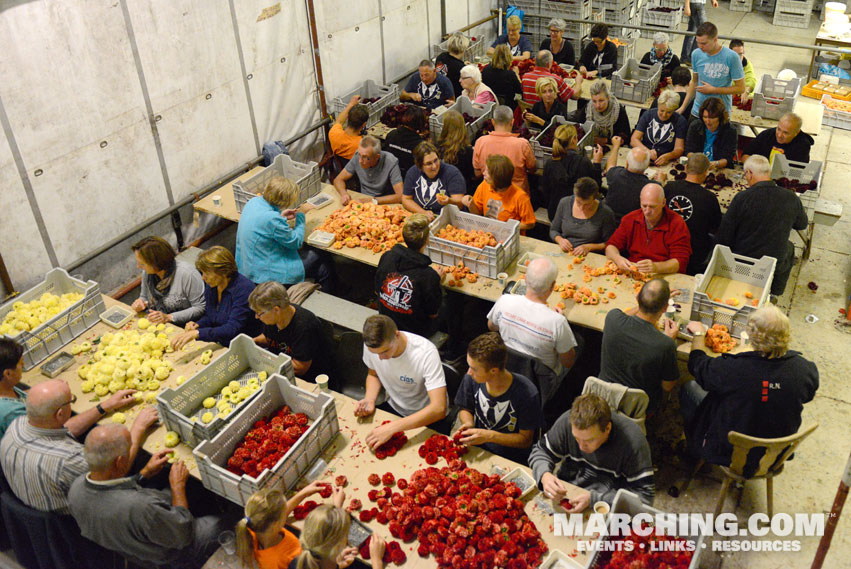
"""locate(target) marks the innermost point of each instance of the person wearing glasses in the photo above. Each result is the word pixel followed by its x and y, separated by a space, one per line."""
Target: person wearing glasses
pixel 561 48
pixel 43 446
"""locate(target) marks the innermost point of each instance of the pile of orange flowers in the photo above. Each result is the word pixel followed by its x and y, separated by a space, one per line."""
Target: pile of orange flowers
pixel 473 237
pixel 718 339
pixel 458 273
pixel 374 227
pixel 585 295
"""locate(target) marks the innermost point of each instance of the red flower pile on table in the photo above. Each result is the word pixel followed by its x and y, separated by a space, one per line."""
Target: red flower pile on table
pixel 300 512
pixel 392 552
pixel 437 446
pixel 664 82
pixel 396 442
pixel 745 105
pixel 646 557
pixel 267 442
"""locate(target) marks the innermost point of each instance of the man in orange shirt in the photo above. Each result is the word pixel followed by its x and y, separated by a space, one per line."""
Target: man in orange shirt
pixel 498 198
pixel 345 135
pixel 503 141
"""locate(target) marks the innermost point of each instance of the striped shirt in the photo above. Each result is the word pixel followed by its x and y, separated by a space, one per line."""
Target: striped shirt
pixel 530 78
pixel 40 465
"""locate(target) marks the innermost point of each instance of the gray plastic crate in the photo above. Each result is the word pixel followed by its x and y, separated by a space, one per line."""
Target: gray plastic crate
pixel 212 455
pixel 612 5
pixel 487 261
pixel 741 5
pixel 463 105
pixel 660 21
pixel 243 358
pixel 791 20
pixel 636 82
pixel 50 336
pixel 578 9
pixel 306 176
pixel 477 49
pixel 543 153
pixel 764 5
pixel 773 98
pixel 806 172
pixel 725 263
pixel 835 117
pixel 801 7
pixel 388 96
pixel 626 502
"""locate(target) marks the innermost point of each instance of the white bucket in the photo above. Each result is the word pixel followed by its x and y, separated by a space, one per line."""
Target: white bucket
pixel 833 11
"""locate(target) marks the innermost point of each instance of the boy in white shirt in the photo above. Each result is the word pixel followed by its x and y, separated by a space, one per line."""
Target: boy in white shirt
pixel 408 367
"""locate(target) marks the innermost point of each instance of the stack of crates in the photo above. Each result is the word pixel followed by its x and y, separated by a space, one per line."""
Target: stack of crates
pixel 654 16
pixel 741 5
pixel 618 12
pixel 793 13
pixel 764 6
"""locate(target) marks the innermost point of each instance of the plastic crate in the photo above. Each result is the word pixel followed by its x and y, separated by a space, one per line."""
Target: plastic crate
pixel 636 82
pixel 791 20
pixel 794 6
pixel 212 455
pixel 543 153
pixel 577 9
pixel 835 117
pixel 463 105
pixel 388 96
pixel 306 176
pixel 612 4
pixel 660 21
pixel 816 89
pixel 477 48
pixel 487 261
pixel 741 5
pixel 626 502
pixel 805 172
pixel 773 98
pixel 243 359
pixel 725 263
pixel 50 336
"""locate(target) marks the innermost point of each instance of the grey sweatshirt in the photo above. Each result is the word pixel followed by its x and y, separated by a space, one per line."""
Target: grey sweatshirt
pixel 185 297
pixel 623 461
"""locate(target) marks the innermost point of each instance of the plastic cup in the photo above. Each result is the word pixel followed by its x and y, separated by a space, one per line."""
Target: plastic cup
pixel 217 200
pixel 589 152
pixel 502 278
pixel 227 539
pixel 322 382
pixel 601 508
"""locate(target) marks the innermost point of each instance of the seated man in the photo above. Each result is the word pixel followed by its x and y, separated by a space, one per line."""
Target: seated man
pixel 625 184
pixel 498 198
pixel 408 367
pixel 13 399
pixel 377 171
pixel 117 512
pixel 531 327
pixel 431 183
pixel 760 218
pixel 292 330
pixel 408 288
pixel 402 140
pixel 428 88
pixel 786 138
pixel 760 393
pixel 503 141
pixel 41 446
pixel 598 451
pixel 634 353
pixel 654 238
pixel 543 62
pixel 698 207
pixel 500 410
pixel 345 135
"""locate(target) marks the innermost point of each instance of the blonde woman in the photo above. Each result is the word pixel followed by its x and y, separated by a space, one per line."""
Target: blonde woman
pixel 450 62
pixel 454 146
pixel 520 46
pixel 324 542
pixel 498 75
pixel 471 81
pixel 548 107
pixel 662 131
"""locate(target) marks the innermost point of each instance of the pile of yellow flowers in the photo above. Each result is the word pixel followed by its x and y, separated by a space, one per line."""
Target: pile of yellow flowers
pixel 27 316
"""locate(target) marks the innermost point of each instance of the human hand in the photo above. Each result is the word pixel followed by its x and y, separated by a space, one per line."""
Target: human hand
pixel 591 74
pixel 553 487
pixel 564 244
pixel 306 207
pixel 191 326
pixel 467 201
pixel 442 198
pixel 158 317
pixel 646 266
pixel 598 154
pixel 180 340
pixel 146 417
pixel 653 154
pixel 714 3
pixel 687 10
pixel 346 557
pixel 471 436
pixel 338 496
pixel 380 435
pixel 364 408
pixel 156 463
pixel 706 88
pixel 376 546
pixel 695 327
pixel 345 198
pixel 661 161
pixel 581 250
pixel 580 502
pixel 416 97
pixel 429 214
pixel 139 305
pixel 288 213
pixel 623 264
pixel 118 400
pixel 440 270
pixel 617 141
pixel 670 328
pixel 178 476
pixel 354 100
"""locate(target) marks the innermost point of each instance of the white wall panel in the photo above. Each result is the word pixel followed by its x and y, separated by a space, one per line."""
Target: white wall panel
pixel 95 194
pixel 456 15
pixel 339 15
pixel 350 56
pixel 67 76
pixel 434 21
pixel 405 37
pixel 284 34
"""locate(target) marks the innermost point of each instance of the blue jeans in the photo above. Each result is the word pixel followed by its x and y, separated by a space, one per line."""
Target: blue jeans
pixel 698 16
pixel 319 266
pixel 691 396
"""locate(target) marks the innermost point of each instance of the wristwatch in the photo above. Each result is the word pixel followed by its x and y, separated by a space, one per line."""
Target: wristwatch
pixel 100 409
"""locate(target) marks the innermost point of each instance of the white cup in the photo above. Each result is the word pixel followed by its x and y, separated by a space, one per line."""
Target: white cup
pixel 601 507
pixel 589 152
pixel 217 200
pixel 227 539
pixel 502 278
pixel 322 382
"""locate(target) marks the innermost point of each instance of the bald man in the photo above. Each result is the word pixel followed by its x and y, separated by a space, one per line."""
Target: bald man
pixel 41 446
pixel 625 183
pixel 786 138
pixel 652 239
pixel 113 509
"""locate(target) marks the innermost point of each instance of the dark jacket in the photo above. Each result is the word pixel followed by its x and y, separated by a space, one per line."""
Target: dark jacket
pixel 224 320
pixel 725 143
pixel 504 83
pixel 565 56
pixel 668 69
pixel 408 290
pixel 560 176
pixel 609 62
pixel 749 394
pixel 798 150
pixel 401 143
pixel 450 66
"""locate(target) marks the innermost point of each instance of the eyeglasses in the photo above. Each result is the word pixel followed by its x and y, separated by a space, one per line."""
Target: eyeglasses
pixel 259 315
pixel 70 401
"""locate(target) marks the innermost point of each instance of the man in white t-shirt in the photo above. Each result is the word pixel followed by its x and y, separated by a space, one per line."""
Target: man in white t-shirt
pixel 529 326
pixel 408 367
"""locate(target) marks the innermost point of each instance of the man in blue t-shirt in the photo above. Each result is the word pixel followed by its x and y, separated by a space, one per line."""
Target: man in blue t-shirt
pixel 500 410
pixel 429 88
pixel 431 184
pixel 716 71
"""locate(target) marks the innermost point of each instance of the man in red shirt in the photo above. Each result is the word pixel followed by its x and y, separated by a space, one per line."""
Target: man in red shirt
pixel 655 238
pixel 543 62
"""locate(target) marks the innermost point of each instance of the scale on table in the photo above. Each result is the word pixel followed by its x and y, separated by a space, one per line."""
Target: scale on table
pixel 57 364
pixel 117 316
pixel 320 200
pixel 358 533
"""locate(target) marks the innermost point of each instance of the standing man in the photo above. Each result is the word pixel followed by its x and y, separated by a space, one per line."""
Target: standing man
pixel 428 88
pixel 503 141
pixel 716 71
pixel 695 11
pixel 377 171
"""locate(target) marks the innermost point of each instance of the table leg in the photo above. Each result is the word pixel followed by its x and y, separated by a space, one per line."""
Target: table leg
pixel 812 63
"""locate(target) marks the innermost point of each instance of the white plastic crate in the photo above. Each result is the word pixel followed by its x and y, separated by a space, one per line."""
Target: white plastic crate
pixel 835 117
pixel 724 263
pixel 463 105
pixel 543 153
pixel 773 98
pixel 306 176
pixel 791 20
pixel 741 5
pixel 388 96
pixel 636 82
pixel 801 7
pixel 612 5
pixel 660 21
pixel 578 9
pixel 212 455
pixel 477 48
pixel 50 336
pixel 487 261
pixel 805 172
pixel 626 502
pixel 242 359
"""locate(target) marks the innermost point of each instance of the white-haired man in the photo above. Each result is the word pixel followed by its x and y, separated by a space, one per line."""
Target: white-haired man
pixel 786 139
pixel 503 141
pixel 625 183
pixel 543 63
pixel 527 325
pixel 377 171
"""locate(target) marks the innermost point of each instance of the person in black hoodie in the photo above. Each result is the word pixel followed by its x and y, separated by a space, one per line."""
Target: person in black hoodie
pixel 786 138
pixel 408 288
pixel 760 393
pixel 402 141
pixel 600 57
pixel 567 165
pixel 450 62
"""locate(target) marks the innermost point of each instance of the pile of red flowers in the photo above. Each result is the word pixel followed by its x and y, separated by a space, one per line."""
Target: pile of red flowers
pixel 745 105
pixel 267 442
pixel 300 512
pixel 437 446
pixel 392 115
pixel 646 556
pixel 664 82
pixel 392 552
pixel 396 442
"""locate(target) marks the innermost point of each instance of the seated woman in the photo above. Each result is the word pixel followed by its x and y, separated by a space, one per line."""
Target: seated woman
pixel 172 291
pixel 548 107
pixel 431 184
pixel 455 149
pixel 662 131
pixel 226 297
pixel 567 165
pixel 503 81
pixel 401 141
pixel 713 135
pixel 520 46
pixel 608 114
pixel 451 62
pixel 583 223
pixel 600 57
pixel 661 53
pixel 478 93
pixel 561 48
